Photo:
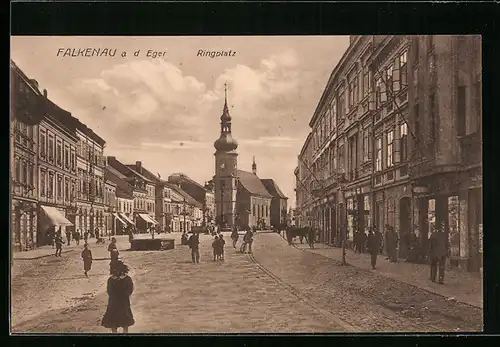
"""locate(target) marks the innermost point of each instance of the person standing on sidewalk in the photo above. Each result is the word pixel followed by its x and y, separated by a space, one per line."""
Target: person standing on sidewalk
pixel 235 237
pixel 373 244
pixel 215 247
pixel 77 237
pixel 68 236
pixel 362 242
pixel 59 242
pixel 438 251
pixel 120 287
pixel 194 244
pixel 85 236
pixel 393 245
pixel 87 259
pixel 311 237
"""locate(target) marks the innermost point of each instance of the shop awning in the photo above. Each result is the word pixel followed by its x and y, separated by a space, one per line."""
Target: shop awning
pixel 147 218
pixel 125 218
pixel 153 220
pixel 54 217
pixel 119 218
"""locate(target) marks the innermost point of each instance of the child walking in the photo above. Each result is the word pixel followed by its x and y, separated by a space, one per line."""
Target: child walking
pixel 87 259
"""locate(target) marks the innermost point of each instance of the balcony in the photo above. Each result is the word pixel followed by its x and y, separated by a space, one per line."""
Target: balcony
pixel 470 149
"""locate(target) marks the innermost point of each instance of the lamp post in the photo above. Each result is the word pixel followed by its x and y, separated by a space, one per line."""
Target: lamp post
pixel 184 213
pixel 223 186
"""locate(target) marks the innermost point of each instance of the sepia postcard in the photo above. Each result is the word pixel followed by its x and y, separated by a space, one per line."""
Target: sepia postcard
pixel 251 184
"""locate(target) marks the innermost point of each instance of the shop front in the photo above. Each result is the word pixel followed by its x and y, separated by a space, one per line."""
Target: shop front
pixel 454 200
pixel 51 220
pixel 24 225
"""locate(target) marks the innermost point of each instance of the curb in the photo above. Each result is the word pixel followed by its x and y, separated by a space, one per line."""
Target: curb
pixel 43 256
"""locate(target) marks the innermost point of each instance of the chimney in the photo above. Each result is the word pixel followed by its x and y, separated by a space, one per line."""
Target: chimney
pixel 34 82
pixel 138 166
pixel 45 92
pixel 254 167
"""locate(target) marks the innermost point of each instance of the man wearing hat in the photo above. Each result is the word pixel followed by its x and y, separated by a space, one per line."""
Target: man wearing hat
pixel 438 252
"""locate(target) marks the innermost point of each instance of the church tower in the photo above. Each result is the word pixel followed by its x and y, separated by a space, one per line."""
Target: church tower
pixel 226 170
pixel 254 167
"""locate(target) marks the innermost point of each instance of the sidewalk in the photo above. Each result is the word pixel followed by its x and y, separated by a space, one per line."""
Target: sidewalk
pixel 47 251
pixel 459 285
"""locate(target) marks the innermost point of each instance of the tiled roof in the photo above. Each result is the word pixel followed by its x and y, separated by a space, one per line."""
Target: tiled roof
pixel 189 199
pixel 272 188
pixel 122 194
pixel 253 184
pixel 132 168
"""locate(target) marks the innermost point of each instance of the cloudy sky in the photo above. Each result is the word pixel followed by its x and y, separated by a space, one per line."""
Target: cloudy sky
pixel 165 111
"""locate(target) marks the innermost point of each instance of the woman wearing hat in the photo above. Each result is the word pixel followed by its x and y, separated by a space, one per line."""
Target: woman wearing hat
pixel 120 287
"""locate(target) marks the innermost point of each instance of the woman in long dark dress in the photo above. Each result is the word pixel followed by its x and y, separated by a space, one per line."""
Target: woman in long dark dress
pixel 120 287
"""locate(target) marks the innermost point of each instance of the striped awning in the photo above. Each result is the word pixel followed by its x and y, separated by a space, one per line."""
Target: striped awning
pixel 119 218
pixel 125 218
pixel 53 217
pixel 147 218
pixel 153 220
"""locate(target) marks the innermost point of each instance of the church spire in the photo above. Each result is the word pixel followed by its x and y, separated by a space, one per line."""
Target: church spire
pixel 254 167
pixel 226 117
pixel 225 141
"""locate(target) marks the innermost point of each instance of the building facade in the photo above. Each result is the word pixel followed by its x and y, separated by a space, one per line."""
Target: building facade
pixel 200 193
pixel 57 172
pixel 396 140
pixel 90 165
pixel 24 120
pixel 110 206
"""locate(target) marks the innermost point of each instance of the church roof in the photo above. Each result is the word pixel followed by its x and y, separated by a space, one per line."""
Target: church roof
pixel 253 184
pixel 272 188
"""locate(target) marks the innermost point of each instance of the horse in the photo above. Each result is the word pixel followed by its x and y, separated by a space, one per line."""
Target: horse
pixel 303 232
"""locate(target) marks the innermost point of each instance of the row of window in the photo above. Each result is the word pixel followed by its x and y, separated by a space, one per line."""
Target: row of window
pixel 125 206
pixel 56 151
pixel 90 186
pixel 55 185
pixel 260 211
pixel 24 171
pixel 91 153
pixel 144 204
pixel 23 134
pixel 392 78
pixel 333 158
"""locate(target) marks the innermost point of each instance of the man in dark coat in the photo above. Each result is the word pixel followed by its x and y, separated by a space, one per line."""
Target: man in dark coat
pixel 373 243
pixel 59 242
pixel 68 236
pixel 311 237
pixel 438 246
pixel 194 244
pixel 393 245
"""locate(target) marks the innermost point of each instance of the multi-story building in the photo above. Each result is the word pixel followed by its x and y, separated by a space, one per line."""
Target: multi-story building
pixel 90 166
pixel 390 148
pixel 200 193
pixel 110 206
pixel 25 116
pixel 186 211
pixel 141 188
pixel 124 215
pixel 163 200
pixel 57 174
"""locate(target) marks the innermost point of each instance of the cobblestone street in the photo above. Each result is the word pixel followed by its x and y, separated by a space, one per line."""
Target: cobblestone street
pixel 277 289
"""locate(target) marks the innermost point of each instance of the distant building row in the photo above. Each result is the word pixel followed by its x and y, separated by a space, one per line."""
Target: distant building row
pixel 61 178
